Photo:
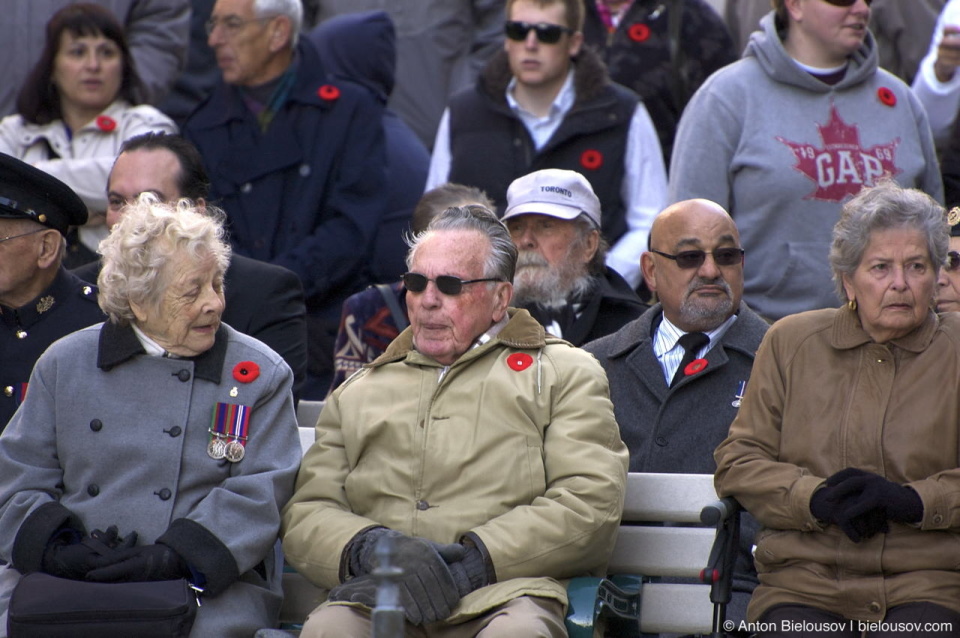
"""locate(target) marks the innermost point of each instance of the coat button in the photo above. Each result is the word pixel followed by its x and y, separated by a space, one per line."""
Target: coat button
pixel 93 489
pixel 8 391
pixel 304 170
pixel 164 494
pixel 183 375
pixel 874 607
pixel 174 432
pixel 96 425
pixel 246 188
pixel 661 441
pixel 937 519
pixel 423 505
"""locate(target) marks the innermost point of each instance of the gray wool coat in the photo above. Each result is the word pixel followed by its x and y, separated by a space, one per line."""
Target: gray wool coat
pixel 676 430
pixel 110 436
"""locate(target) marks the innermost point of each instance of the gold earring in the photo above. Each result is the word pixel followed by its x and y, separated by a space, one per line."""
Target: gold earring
pixel 852 304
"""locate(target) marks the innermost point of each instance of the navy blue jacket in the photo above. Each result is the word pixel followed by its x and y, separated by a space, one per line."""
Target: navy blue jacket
pixel 361 47
pixel 309 193
pixel 68 304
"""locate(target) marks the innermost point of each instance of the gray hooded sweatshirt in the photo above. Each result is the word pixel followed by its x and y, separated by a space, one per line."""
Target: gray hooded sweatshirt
pixel 782 151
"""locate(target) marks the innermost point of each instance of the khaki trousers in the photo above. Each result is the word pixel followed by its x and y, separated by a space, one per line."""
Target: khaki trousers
pixel 525 616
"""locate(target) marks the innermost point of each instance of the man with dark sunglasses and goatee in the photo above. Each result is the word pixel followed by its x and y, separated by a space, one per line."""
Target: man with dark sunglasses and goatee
pixel 547 101
pixel 483 449
pixel 677 373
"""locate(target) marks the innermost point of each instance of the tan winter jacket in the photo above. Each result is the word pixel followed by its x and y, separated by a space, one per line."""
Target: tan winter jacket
pixel 823 397
pixel 517 445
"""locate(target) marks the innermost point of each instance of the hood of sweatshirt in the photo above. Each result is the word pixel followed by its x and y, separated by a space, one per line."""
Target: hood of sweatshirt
pixel 360 47
pixel 767 47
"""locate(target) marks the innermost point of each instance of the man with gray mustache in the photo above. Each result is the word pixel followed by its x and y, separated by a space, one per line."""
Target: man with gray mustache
pixel 678 371
pixel 562 279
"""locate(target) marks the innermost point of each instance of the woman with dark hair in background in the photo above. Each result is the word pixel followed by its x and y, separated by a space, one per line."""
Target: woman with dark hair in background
pixel 76 108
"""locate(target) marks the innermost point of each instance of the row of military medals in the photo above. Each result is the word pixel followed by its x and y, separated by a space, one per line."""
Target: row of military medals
pixel 228 432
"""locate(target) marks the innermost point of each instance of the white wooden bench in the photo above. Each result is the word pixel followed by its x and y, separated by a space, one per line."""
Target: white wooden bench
pixel 661 536
pixel 681 549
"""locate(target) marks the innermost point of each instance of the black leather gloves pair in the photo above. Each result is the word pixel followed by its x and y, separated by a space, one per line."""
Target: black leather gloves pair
pixel 862 503
pixel 106 557
pixel 435 576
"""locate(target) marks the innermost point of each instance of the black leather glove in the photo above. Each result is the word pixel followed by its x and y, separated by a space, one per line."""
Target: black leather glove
pixel 72 555
pixel 148 562
pixel 427 589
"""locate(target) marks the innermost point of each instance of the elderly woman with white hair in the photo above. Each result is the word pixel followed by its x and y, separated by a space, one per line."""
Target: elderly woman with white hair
pixel 163 424
pixel 846 447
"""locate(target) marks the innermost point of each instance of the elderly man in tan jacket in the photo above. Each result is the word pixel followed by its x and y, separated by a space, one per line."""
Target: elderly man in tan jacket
pixel 485 449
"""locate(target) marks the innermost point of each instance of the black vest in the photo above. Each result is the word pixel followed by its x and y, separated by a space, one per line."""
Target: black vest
pixel 490 147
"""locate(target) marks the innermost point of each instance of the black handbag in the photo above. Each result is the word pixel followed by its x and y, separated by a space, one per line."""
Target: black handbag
pixel 51 607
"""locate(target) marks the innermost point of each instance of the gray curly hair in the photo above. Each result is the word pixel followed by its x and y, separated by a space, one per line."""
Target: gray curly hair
pixel 881 207
pixel 150 235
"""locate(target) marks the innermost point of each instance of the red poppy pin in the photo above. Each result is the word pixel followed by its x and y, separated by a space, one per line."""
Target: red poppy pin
pixel 694 367
pixel 591 159
pixel 106 123
pixel 638 32
pixel 328 92
pixel 246 371
pixel 519 361
pixel 887 96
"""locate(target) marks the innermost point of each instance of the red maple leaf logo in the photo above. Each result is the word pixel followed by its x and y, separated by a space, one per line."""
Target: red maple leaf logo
pixel 842 167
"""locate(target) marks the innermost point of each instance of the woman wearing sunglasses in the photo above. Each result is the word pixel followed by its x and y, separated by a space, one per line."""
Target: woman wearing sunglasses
pixel 845 448
pixel 785 135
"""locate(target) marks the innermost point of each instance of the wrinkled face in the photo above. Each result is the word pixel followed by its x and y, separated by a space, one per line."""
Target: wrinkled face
pixel 694 299
pixel 245 45
pixel 141 171
pixel 19 264
pixel 550 257
pixel 534 63
pixel 893 284
pixel 446 326
pixel 87 71
pixel 948 284
pixel 186 319
pixel 829 32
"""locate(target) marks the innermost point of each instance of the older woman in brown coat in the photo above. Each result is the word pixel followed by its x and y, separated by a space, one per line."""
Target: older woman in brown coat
pixel 847 444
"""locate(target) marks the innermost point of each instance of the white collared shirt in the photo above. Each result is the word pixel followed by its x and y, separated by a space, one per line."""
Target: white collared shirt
pixel 669 352
pixel 153 348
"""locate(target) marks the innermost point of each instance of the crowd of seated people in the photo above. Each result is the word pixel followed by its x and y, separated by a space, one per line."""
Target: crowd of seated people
pixel 621 246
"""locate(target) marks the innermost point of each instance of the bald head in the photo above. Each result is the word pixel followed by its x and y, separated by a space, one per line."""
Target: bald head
pixel 698 297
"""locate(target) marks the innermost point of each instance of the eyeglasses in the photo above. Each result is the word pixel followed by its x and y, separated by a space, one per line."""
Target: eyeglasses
pixel 546 33
pixel 845 3
pixel 40 230
pixel 447 284
pixel 695 258
pixel 231 24
pixel 953 261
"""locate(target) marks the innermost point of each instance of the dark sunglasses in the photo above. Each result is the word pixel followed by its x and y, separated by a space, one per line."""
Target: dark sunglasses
pixel 952 262
pixel 546 33
pixel 447 284
pixel 695 258
pixel 845 3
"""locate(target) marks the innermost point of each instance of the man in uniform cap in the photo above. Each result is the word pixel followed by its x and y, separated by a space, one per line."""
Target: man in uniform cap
pixel 562 278
pixel 39 300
